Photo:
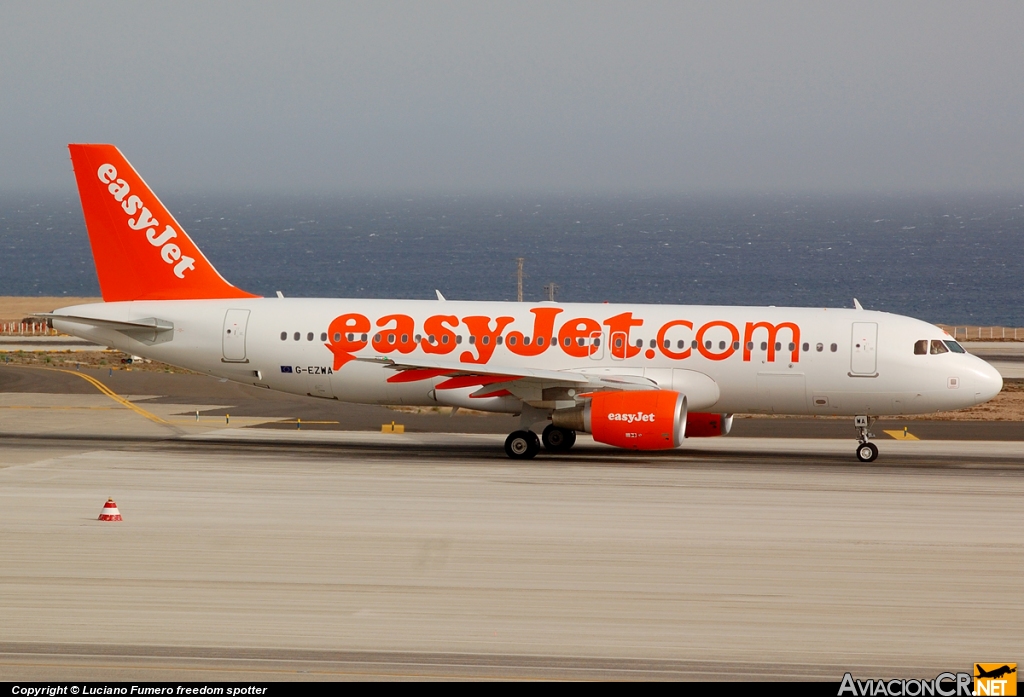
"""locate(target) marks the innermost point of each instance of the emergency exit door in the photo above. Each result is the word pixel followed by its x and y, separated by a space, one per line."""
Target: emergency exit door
pixel 233 336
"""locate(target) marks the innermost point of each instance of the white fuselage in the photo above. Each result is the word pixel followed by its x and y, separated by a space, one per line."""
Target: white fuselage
pixel 819 361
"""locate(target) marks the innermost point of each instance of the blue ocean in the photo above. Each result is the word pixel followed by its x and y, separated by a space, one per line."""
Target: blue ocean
pixel 953 259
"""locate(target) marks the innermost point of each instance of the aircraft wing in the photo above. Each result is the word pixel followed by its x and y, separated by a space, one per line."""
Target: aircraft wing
pixel 537 387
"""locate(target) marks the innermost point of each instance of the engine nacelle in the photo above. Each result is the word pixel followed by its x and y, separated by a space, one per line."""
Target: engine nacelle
pixel 642 420
pixel 701 425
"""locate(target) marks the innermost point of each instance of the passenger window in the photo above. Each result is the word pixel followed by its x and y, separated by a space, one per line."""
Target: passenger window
pixel 792 346
pixel 309 336
pixel 618 342
pixel 297 336
pixel 834 348
pixel 511 341
pixel 721 345
pixel 376 338
pixel 806 347
pixel 567 341
pixel 597 342
pixel 707 344
pixel 639 343
pixel 921 347
pixel 337 337
pixel 486 340
pixel 954 346
pixel 444 339
pixel 284 335
pixel 540 341
pixel 472 339
pixel 391 338
pixel 364 338
pixel 735 346
pixel 778 345
pixel 750 345
pixel 323 336
pixel 458 338
pixel 654 343
pixel 679 344
pixel 820 347
pixel 350 336
pixel 764 345
pixel 693 344
pixel 938 347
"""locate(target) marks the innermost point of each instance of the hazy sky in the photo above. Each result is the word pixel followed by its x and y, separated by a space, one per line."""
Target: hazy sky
pixel 506 96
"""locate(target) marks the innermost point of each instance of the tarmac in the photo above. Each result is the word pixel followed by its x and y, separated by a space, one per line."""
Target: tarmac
pixel 256 548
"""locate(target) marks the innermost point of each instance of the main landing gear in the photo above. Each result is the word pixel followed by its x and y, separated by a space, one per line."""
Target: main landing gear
pixel 557 439
pixel 524 445
pixel 866 450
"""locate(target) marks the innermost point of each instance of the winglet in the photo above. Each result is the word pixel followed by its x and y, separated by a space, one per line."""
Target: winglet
pixel 856 304
pixel 439 296
pixel 140 250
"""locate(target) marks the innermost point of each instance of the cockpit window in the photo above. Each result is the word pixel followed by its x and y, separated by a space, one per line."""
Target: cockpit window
pixel 921 347
pixel 954 346
pixel 938 347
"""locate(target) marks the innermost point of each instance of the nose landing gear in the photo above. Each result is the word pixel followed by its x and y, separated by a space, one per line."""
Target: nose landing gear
pixel 866 450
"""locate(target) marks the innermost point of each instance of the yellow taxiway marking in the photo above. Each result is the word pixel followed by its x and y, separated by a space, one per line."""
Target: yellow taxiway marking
pixel 116 397
pixel 901 435
pixel 107 391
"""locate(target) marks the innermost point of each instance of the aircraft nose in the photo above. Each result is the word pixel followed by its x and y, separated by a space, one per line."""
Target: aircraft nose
pixel 987 381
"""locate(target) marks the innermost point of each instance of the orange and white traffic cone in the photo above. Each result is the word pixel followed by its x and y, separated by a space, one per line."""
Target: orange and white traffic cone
pixel 110 511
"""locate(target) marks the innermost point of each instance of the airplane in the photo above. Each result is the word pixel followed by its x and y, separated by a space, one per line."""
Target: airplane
pixel 996 673
pixel 635 376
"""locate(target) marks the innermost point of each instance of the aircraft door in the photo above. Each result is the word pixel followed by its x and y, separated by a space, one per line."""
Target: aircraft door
pixel 863 356
pixel 233 336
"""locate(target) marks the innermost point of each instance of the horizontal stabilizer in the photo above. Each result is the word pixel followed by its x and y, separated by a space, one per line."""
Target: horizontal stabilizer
pixel 149 330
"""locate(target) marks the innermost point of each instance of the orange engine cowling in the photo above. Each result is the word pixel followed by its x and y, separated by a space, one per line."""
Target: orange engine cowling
pixel 647 420
pixel 700 425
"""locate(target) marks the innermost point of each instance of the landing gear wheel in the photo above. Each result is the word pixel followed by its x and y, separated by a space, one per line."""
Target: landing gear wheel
pixel 557 439
pixel 867 452
pixel 522 445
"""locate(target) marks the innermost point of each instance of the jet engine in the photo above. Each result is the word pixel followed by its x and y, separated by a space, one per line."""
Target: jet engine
pixel 701 425
pixel 642 420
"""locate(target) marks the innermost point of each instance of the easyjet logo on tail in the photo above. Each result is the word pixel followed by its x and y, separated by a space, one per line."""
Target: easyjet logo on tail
pixel 140 218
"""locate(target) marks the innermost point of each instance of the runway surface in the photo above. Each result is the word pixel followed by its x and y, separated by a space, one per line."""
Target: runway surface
pixel 260 554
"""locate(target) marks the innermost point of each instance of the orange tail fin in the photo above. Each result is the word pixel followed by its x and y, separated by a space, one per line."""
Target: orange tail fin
pixel 141 252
